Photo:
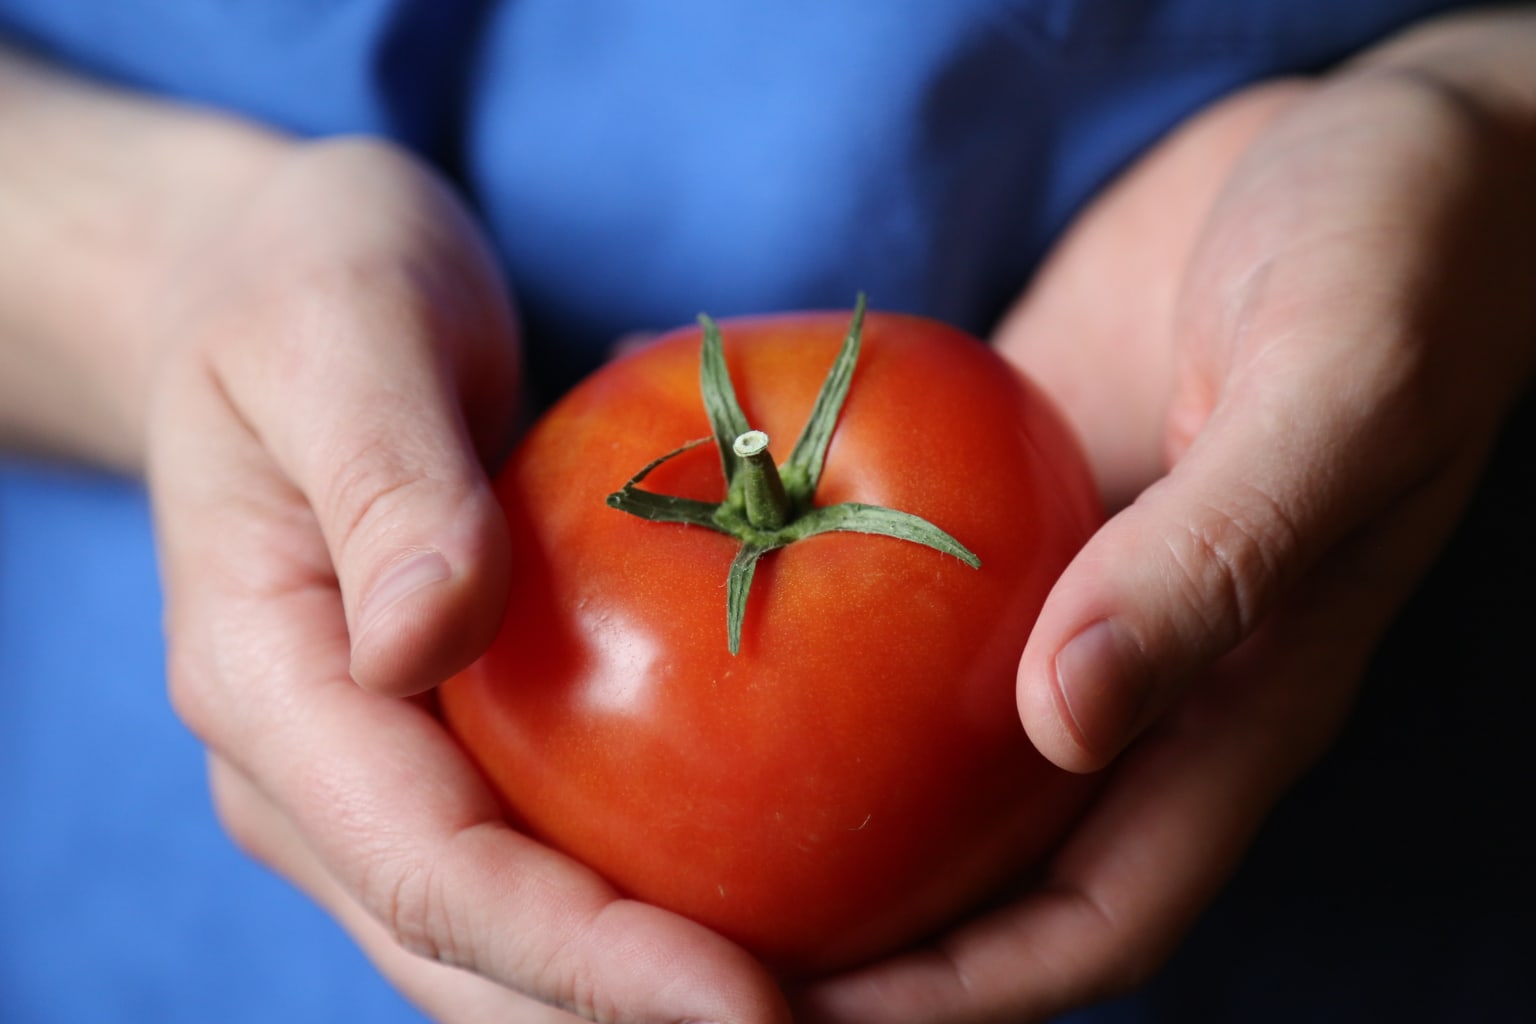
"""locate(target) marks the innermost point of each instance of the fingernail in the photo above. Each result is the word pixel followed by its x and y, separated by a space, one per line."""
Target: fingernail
pixel 1104 682
pixel 402 580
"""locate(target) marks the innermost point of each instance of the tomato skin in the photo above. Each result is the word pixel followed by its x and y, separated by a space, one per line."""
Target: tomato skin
pixel 857 775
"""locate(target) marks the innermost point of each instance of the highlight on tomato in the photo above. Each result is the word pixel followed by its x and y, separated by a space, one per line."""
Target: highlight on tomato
pixel 778 698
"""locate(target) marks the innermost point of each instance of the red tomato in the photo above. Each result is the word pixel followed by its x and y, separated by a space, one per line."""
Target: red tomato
pixel 856 776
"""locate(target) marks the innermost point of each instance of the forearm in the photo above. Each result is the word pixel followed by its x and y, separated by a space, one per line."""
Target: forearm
pixel 103 195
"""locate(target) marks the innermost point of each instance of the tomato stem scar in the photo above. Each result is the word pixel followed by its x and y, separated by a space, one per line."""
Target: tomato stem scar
pixel 767 505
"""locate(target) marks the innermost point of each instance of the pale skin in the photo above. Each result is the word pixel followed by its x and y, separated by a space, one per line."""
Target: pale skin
pixel 1321 312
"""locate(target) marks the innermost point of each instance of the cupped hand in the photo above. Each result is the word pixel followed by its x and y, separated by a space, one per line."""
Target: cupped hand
pixel 1287 339
pixel 339 363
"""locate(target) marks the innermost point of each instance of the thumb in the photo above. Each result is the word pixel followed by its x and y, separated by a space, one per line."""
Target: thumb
pixel 1175 581
pixel 373 435
pixel 415 535
pixel 422 565
pixel 350 322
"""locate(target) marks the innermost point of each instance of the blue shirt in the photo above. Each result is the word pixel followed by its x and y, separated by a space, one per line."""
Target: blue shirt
pixel 637 162
pixel 634 163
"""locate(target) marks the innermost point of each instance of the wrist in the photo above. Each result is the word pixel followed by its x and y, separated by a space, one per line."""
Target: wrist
pixel 103 196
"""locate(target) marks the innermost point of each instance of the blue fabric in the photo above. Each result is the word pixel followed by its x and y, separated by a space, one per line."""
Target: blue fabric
pixel 635 163
pixel 640 161
pixel 120 898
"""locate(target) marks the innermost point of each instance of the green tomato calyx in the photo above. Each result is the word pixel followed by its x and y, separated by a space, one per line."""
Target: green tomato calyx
pixel 767 507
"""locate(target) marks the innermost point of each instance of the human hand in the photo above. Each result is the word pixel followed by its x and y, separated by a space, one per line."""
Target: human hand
pixel 1287 339
pixel 340 364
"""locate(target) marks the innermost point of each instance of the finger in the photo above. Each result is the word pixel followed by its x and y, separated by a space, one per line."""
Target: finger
pixel 404 822
pixel 1312 388
pixel 404 825
pixel 1179 810
pixel 1173 821
pixel 446 994
pixel 1111 366
pixel 379 378
pixel 1173 582
pixel 1302 411
pixel 382 796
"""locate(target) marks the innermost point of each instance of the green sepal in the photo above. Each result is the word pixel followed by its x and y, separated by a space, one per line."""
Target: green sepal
pixel 665 508
pixel 856 517
pixel 802 471
pixel 727 422
pixel 738 584
pixel 799 477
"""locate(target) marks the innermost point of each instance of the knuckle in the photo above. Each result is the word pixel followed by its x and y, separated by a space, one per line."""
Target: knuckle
pixel 549 968
pixel 1126 953
pixel 367 494
pixel 407 898
pixel 575 992
pixel 235 805
pixel 335 165
pixel 409 895
pixel 1133 955
pixel 1230 560
pixel 569 981
pixel 187 688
